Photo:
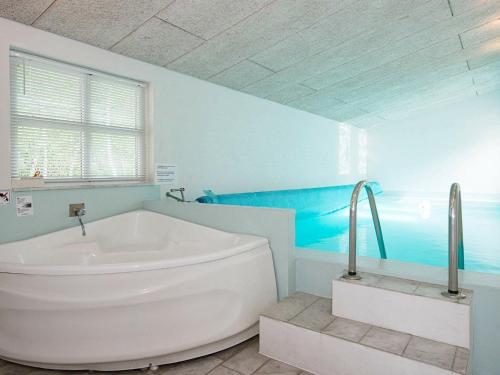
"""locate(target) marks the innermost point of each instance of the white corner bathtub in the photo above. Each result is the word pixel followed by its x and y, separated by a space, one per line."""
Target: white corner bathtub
pixel 140 289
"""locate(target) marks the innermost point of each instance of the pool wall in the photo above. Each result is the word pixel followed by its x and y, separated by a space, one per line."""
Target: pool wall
pixel 312 271
pixel 306 202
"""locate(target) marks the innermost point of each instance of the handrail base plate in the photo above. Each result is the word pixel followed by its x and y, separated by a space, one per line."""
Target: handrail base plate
pixel 351 277
pixel 457 296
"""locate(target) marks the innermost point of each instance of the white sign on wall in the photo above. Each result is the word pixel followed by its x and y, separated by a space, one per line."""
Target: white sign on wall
pixel 165 173
pixel 24 205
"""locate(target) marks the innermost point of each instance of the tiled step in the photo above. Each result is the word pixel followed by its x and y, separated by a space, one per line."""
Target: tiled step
pixel 301 331
pixel 406 306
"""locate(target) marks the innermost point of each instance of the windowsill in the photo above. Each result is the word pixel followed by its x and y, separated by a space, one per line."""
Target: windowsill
pixel 79 185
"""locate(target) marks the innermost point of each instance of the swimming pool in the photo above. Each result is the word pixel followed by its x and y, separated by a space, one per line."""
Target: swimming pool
pixel 415 229
pixel 414 225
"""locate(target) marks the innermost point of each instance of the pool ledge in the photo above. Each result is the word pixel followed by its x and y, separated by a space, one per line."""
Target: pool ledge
pixel 388 267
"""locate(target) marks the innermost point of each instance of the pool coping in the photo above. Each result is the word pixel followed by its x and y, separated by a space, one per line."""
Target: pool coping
pixel 415 271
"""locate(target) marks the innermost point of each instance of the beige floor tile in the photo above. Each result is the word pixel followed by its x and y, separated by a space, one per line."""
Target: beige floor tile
pixel 229 352
pixel 347 329
pixel 221 370
pixel 199 366
pixel 386 339
pixel 461 361
pixel 315 317
pixel 247 361
pixel 277 368
pixel 290 306
pixel 432 352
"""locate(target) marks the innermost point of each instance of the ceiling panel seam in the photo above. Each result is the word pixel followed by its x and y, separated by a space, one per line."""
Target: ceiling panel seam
pixel 42 13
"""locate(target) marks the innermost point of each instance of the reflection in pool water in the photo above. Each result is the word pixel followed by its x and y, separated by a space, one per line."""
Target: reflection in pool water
pixel 415 229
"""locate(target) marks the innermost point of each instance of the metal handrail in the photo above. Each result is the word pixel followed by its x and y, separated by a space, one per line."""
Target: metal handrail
pixel 455 242
pixel 351 271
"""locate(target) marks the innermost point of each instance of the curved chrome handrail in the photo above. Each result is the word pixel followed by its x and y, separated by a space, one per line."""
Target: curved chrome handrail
pixel 351 271
pixel 455 242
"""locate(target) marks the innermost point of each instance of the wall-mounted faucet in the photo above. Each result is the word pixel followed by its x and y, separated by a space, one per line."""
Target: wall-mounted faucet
pixel 180 190
pixel 78 210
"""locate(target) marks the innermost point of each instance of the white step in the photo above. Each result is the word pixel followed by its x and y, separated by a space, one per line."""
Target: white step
pixel 406 306
pixel 302 332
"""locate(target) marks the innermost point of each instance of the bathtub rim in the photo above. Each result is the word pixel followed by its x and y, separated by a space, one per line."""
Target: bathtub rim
pixel 249 242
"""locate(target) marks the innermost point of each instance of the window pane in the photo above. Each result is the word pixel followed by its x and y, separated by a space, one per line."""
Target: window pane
pixel 70 123
pixel 41 93
pixel 114 155
pixel 115 103
pixel 56 153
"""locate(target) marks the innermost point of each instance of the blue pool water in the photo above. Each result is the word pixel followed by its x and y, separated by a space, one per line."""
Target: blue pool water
pixel 415 229
pixel 415 226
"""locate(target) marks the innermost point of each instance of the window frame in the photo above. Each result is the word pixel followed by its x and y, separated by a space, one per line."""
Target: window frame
pixel 29 183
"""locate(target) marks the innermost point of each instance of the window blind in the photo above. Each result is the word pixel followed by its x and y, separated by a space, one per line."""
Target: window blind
pixel 72 124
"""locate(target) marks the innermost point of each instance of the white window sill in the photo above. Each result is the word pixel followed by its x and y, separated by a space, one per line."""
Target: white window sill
pixel 17 186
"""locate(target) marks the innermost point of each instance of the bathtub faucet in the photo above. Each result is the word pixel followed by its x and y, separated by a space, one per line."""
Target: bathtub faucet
pixel 79 213
pixel 180 190
pixel 78 210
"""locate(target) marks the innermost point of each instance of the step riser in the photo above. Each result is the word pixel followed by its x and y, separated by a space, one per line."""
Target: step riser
pixel 421 316
pixel 326 355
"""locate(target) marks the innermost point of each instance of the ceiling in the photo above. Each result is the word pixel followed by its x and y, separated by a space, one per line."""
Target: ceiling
pixel 356 61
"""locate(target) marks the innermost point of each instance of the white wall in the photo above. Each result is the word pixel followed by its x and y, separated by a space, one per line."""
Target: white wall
pixel 428 152
pixel 219 138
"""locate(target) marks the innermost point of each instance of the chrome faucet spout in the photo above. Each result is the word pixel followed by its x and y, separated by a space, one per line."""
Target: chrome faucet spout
pixel 180 190
pixel 79 213
pixel 84 233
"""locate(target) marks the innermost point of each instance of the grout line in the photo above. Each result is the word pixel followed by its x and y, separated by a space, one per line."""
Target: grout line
pixel 237 352
pixel 274 44
pixel 41 14
pixel 258 368
pixel 309 87
pixel 181 56
pixel 454 359
pixel 261 65
pixel 220 33
pixel 451 8
pixel 232 369
pixel 128 34
pixel 364 335
pixel 304 309
pixel 461 42
pixel 180 28
pixel 138 27
pixel 406 346
pixel 242 20
pixel 239 62
pixel 361 34
pixel 222 365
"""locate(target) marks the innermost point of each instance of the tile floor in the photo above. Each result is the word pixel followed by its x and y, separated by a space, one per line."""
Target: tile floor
pixel 243 359
pixel 314 313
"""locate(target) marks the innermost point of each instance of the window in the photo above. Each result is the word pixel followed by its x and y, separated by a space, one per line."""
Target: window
pixel 72 124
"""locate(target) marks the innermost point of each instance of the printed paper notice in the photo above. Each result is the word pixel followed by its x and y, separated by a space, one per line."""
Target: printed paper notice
pixel 24 205
pixel 4 197
pixel 166 174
